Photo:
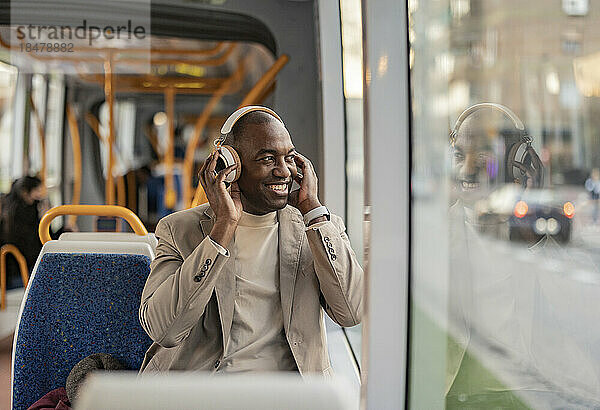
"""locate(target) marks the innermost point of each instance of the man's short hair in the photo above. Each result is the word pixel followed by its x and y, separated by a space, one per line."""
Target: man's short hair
pixel 239 129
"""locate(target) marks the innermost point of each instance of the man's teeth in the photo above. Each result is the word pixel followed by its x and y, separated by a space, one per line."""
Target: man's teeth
pixel 470 185
pixel 279 187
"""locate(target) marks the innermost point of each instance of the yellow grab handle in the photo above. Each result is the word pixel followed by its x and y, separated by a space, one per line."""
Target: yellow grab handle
pixel 98 210
pixel 5 250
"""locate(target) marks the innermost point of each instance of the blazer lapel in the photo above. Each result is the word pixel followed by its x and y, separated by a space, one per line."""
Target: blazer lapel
pixel 291 235
pixel 225 286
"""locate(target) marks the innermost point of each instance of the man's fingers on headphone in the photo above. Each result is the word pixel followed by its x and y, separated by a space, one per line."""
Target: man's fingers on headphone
pixel 213 162
pixel 221 175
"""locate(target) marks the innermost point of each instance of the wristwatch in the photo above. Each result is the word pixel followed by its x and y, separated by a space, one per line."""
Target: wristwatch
pixel 316 213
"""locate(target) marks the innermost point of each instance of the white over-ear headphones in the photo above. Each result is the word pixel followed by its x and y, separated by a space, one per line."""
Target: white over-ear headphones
pixel 529 165
pixel 228 156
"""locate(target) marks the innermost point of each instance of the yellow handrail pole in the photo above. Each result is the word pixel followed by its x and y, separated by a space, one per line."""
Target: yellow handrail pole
pixel 6 249
pixel 153 139
pixel 170 194
pixel 188 162
pixel 121 192
pixel 95 126
pixel 199 197
pixel 203 52
pixel 42 134
pixel 108 92
pixel 131 192
pixel 206 62
pixel 76 144
pixel 157 81
pixel 98 210
pixel 265 80
pixel 262 97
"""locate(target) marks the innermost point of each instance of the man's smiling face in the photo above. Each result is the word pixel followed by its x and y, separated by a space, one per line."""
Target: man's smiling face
pixel 478 155
pixel 268 167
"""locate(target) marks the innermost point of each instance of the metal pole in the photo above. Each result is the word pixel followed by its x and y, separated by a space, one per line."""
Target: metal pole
pixel 170 194
pixel 108 92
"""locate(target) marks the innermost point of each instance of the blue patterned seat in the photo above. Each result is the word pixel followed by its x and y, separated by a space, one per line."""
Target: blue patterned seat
pixel 77 304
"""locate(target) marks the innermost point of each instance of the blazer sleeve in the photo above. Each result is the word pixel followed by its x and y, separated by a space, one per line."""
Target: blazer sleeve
pixel 177 289
pixel 337 268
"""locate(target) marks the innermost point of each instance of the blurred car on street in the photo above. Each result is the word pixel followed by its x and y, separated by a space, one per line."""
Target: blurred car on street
pixel 532 214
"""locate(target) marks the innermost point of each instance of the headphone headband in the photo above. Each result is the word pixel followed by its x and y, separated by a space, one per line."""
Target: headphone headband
pixel 509 113
pixel 240 112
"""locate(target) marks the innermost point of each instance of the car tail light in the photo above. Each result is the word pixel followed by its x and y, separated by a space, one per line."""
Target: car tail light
pixel 521 209
pixel 569 209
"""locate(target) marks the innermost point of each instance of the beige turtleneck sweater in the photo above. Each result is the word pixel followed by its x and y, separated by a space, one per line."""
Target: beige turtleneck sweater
pixel 257 340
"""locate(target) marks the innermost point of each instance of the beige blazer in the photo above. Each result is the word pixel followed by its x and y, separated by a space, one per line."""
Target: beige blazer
pixel 187 302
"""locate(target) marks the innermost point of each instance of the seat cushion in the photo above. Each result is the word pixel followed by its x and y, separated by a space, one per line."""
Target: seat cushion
pixel 77 305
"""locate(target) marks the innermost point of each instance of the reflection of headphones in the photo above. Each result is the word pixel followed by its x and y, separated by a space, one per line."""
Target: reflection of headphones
pixel 529 165
pixel 228 156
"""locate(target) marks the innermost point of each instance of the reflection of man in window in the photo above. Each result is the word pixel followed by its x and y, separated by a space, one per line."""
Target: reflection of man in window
pixel 490 150
pixel 492 163
pixel 592 184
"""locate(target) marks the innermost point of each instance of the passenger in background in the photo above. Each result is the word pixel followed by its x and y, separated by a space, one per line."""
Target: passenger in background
pixel 592 184
pixel 239 284
pixel 19 221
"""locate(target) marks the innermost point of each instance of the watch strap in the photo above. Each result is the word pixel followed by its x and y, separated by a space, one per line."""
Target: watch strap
pixel 315 213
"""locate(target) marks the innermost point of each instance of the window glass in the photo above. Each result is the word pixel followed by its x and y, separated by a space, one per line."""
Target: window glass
pixel 54 140
pixel 8 85
pixel 37 118
pixel 505 210
pixel 353 93
pixel 124 112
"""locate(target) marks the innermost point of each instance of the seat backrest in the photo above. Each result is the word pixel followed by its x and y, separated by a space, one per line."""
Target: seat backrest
pixel 64 246
pixel 78 303
pixel 195 390
pixel 150 239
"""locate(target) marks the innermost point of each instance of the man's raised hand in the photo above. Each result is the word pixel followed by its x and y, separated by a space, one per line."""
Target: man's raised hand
pixel 227 206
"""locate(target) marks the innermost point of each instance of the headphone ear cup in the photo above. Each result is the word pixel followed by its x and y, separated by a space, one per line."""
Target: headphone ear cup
pixel 530 167
pixel 227 157
pixel 533 162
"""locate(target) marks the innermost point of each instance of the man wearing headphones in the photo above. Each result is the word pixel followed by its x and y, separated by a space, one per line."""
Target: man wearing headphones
pixel 491 149
pixel 239 284
pixel 491 152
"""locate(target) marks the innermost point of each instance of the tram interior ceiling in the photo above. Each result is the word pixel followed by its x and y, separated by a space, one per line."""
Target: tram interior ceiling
pixel 181 89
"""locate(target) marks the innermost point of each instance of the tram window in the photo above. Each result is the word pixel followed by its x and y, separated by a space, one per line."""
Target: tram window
pixel 505 211
pixel 8 86
pixel 54 141
pixel 37 118
pixel 124 135
pixel 353 94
